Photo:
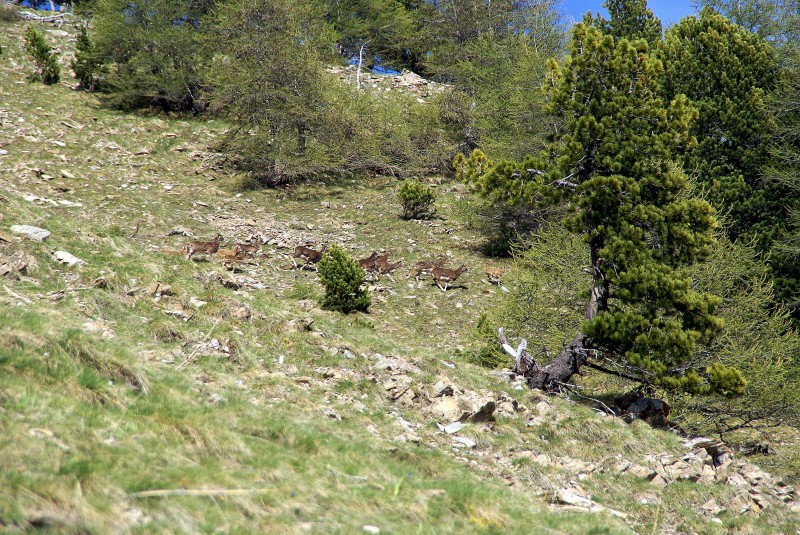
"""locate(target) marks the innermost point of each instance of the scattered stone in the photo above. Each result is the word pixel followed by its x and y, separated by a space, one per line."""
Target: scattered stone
pixel 451 428
pixel 179 231
pixel 330 413
pixel 306 305
pixel 67 174
pixel 197 303
pixel 297 325
pixel 569 497
pixel 371 529
pixel 156 289
pixel 485 411
pixel 31 232
pixel 68 258
pixel 449 409
pixel 242 313
pixel 15 263
pixel 468 442
pixel 180 313
pixel 441 389
pixel 97 327
pixel 711 507
pixel 640 471
pixel 216 399
pixel 394 364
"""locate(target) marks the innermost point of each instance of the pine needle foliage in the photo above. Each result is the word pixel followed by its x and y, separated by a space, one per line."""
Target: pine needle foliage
pixel 86 64
pixel 615 166
pixel 417 199
pixel 629 19
pixel 343 279
pixel 48 71
pixel 728 74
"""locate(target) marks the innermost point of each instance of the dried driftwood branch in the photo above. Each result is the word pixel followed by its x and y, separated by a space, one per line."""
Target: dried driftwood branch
pixel 523 361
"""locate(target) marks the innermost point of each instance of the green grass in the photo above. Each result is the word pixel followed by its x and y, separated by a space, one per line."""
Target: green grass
pixel 88 421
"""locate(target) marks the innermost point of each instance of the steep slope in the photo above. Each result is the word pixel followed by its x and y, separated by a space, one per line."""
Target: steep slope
pixel 141 391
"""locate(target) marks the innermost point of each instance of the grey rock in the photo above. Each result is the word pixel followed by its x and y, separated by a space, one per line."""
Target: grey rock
pixel 451 428
pixel 468 442
pixel 68 258
pixel 31 232
pixel 395 364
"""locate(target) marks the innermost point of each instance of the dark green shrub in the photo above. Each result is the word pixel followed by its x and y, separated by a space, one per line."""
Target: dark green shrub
pixel 48 70
pixel 417 200
pixel 342 278
pixel 86 64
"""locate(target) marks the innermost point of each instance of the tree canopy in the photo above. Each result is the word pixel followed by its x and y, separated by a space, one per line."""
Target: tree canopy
pixel 615 163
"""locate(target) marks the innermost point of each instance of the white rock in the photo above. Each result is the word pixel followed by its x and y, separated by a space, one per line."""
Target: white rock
pixel 68 258
pixel 371 529
pixel 195 302
pixel 451 428
pixel 465 441
pixel 31 232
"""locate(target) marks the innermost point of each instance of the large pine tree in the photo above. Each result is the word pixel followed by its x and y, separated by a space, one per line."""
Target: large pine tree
pixel 616 167
pixel 729 73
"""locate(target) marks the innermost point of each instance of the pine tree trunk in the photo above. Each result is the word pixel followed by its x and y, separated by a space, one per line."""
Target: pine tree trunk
pixel 301 140
pixel 576 353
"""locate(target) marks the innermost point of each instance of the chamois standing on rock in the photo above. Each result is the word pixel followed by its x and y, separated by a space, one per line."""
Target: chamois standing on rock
pixel 424 268
pixel 207 247
pixel 446 276
pixel 310 256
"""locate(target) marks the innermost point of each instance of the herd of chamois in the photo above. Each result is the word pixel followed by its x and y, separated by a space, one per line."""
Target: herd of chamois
pixel 375 264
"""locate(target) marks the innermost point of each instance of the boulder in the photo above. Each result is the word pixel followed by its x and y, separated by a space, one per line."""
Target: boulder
pixel 30 232
pixel 67 258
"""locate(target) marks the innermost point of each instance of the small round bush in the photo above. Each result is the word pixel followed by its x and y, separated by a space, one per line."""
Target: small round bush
pixel 342 278
pixel 417 200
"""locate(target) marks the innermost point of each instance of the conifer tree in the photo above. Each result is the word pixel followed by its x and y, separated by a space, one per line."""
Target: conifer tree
pixel 729 73
pixel 630 19
pixel 48 71
pixel 86 65
pixel 153 51
pixel 342 278
pixel 774 20
pixel 615 166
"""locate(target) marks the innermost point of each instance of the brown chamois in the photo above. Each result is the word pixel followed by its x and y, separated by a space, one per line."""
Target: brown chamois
pixel 245 249
pixel 425 268
pixel 367 263
pixel 493 274
pixel 385 268
pixel 230 255
pixel 447 276
pixel 309 255
pixel 207 247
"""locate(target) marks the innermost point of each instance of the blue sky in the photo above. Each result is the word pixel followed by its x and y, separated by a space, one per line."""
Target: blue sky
pixel 669 11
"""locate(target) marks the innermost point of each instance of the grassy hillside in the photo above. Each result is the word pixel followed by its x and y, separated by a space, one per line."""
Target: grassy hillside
pixel 229 402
